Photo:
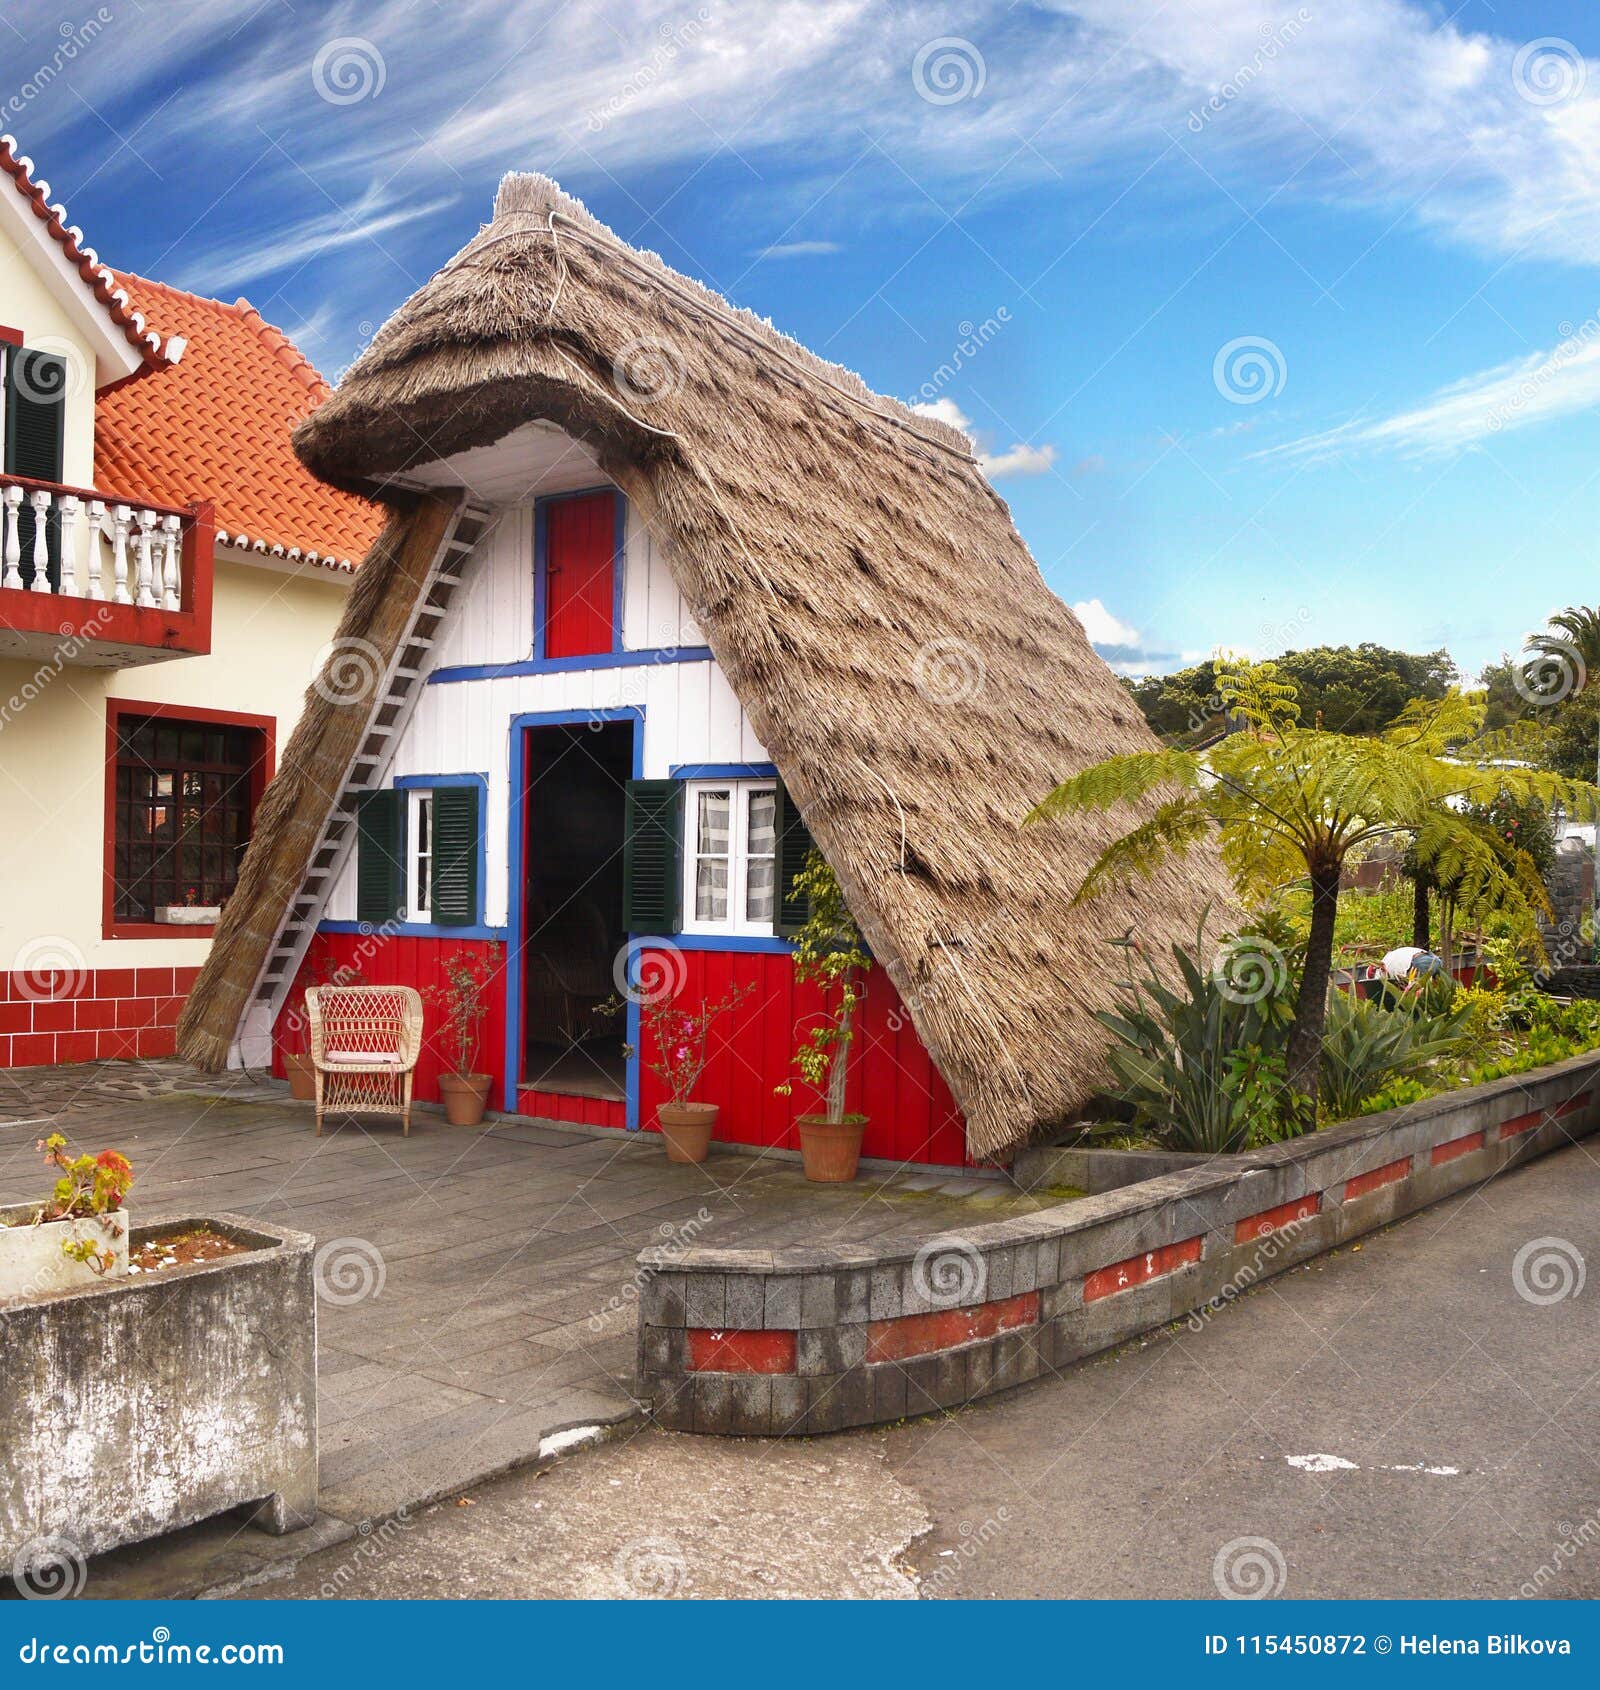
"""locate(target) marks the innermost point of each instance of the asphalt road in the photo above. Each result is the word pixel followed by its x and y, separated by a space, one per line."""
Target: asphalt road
pixel 1397 1419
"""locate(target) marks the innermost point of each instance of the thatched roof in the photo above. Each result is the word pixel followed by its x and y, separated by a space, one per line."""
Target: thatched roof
pixel 861 584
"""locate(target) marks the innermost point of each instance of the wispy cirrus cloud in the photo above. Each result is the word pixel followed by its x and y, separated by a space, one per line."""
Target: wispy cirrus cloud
pixel 1479 407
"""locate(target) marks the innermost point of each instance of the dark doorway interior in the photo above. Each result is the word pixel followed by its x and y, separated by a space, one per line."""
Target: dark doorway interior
pixel 577 780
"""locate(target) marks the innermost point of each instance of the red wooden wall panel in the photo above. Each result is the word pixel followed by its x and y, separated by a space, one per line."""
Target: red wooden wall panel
pixel 399 960
pixel 911 1114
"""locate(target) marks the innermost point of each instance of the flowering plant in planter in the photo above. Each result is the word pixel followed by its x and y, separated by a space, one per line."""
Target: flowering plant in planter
pixel 829 953
pixel 81 1215
pixel 467 976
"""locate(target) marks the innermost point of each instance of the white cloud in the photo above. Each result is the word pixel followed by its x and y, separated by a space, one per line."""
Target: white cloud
pixel 1527 390
pixel 945 411
pixel 1020 460
pixel 1102 627
pixel 799 249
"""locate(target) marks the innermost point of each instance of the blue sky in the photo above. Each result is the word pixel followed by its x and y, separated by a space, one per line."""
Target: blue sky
pixel 1278 323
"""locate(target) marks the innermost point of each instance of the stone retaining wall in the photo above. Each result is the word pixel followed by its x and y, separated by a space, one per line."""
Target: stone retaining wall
pixel 809 1340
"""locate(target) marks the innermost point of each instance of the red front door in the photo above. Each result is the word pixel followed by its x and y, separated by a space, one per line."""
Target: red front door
pixel 580 575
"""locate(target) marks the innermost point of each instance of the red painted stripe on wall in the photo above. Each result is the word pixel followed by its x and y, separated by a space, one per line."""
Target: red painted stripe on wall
pixel 1140 1270
pixel 947 1329
pixel 1273 1220
pixel 740 1351
pixel 1463 1146
pixel 1375 1178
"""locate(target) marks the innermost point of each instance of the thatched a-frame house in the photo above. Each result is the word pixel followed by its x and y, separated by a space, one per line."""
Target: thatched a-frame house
pixel 711 569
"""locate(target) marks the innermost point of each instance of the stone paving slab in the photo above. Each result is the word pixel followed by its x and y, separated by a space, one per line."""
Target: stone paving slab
pixel 476 1285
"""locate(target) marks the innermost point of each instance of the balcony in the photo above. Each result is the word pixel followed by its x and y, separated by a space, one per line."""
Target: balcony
pixel 90 579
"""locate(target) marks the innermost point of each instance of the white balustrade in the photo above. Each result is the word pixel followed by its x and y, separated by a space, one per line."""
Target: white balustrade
pixel 77 531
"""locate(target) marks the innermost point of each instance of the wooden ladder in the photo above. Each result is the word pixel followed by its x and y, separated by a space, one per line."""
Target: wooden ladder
pixel 397 693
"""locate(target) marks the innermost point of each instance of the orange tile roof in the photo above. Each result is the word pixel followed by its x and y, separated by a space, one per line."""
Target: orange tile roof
pixel 216 427
pixel 102 283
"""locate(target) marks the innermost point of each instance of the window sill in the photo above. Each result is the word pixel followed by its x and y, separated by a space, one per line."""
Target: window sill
pixel 154 930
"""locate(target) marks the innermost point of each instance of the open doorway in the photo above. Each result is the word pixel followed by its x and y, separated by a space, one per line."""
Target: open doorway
pixel 575 808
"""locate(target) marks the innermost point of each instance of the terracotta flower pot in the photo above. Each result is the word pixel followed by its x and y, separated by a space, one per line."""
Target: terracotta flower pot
pixel 686 1129
pixel 830 1150
pixel 302 1076
pixel 465 1097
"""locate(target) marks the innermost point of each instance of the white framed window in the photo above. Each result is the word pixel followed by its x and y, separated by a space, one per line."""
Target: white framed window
pixel 419 854
pixel 730 864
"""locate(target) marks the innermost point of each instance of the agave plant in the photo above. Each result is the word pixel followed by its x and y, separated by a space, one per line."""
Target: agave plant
pixel 1365 1045
pixel 1202 1064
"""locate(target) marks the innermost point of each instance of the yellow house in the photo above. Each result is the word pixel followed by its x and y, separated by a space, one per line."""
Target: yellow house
pixel 170 578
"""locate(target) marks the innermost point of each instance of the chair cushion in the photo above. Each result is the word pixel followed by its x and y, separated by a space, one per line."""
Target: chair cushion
pixel 361 1058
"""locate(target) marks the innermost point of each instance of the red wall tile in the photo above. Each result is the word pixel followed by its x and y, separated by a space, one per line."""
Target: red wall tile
pixel 1271 1220
pixel 947 1329
pixel 740 1352
pixel 1375 1178
pixel 1140 1270
pixel 1463 1146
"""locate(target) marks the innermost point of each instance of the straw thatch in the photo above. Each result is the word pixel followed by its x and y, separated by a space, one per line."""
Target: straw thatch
pixel 914 680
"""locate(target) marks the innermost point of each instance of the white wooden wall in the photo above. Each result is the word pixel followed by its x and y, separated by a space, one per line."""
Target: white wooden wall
pixel 493 617
pixel 464 727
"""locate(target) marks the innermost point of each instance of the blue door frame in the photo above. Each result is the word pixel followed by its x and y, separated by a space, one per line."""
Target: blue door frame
pixel 517 873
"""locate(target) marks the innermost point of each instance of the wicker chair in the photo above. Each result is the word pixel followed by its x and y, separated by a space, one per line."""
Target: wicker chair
pixel 364 1046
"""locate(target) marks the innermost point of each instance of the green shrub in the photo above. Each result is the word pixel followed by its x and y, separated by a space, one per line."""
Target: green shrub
pixel 1366 1045
pixel 1203 1065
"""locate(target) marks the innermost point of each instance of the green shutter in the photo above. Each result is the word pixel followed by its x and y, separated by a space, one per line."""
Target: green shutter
pixel 36 406
pixel 650 861
pixel 455 856
pixel 381 857
pixel 794 843
pixel 35 416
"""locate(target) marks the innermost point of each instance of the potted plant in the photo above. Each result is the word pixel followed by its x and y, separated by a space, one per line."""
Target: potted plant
pixel 464 1091
pixel 76 1235
pixel 680 1038
pixel 829 952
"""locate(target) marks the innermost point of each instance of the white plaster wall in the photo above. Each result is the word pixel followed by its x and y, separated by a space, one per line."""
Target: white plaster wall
pixel 27 304
pixel 267 629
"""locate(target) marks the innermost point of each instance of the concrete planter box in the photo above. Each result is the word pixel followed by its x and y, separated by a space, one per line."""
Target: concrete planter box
pixel 189 915
pixel 139 1404
pixel 32 1261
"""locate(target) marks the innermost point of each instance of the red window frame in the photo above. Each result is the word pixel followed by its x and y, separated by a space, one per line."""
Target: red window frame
pixel 260 774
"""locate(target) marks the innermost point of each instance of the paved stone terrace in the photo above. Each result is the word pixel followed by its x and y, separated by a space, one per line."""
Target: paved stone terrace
pixel 481 1297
